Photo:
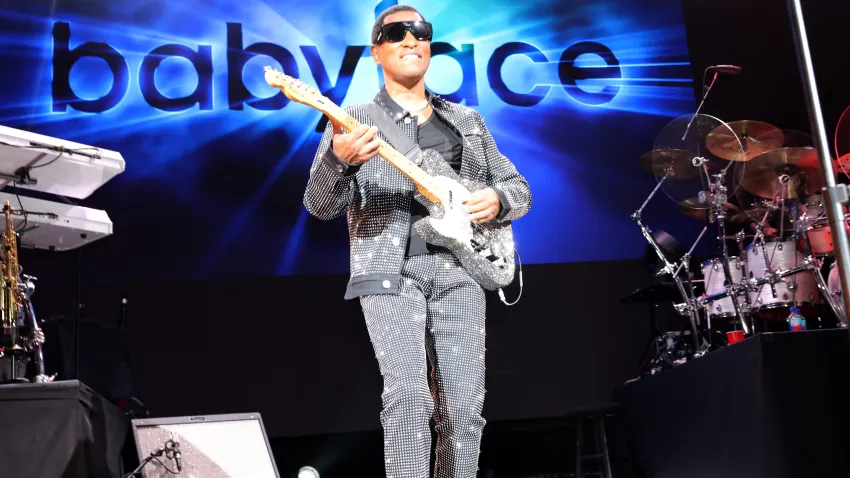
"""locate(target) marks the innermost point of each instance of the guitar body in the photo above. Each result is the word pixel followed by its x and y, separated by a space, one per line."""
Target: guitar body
pixel 485 250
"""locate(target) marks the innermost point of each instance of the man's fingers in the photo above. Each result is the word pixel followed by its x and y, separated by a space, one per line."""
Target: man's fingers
pixel 371 148
pixel 474 200
pixel 368 135
pixel 481 216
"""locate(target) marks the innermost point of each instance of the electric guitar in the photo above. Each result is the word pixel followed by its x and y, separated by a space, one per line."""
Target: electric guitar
pixel 485 250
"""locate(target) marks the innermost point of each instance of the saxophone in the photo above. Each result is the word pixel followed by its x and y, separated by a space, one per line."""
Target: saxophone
pixel 10 306
pixel 15 297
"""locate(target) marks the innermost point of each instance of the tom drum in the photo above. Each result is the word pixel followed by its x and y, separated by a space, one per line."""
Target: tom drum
pixel 712 274
pixel 800 289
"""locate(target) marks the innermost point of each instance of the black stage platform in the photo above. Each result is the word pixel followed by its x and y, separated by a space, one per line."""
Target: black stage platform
pixel 774 405
pixel 60 429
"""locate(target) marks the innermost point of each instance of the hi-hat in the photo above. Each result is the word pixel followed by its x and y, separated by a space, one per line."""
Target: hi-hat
pixel 752 215
pixel 782 173
pixel 744 140
pixel 693 208
pixel 678 161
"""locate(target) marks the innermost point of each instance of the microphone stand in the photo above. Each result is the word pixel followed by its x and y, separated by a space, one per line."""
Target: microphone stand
pixel 704 96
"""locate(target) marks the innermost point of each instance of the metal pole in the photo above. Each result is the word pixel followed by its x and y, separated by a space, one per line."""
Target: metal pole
pixel 836 195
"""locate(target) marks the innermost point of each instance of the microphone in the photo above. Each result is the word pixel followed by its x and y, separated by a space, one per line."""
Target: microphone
pixel 173 447
pixel 177 457
pixel 725 69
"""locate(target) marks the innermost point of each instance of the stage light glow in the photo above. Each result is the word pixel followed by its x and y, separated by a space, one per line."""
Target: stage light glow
pixel 308 472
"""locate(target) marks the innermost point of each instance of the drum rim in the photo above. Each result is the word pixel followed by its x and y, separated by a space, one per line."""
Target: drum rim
pixel 792 241
pixel 717 259
pixel 778 305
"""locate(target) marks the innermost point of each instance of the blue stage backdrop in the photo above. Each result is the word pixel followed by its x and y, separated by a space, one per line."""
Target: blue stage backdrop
pixel 217 161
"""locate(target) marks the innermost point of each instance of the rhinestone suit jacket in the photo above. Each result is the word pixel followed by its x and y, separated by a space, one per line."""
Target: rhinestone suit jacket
pixel 377 198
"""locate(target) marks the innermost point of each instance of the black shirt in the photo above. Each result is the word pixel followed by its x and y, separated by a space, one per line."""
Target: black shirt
pixel 434 134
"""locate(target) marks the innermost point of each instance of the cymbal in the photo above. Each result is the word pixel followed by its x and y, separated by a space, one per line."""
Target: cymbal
pixel 693 208
pixel 755 138
pixel 752 215
pixel 679 161
pixel 765 173
pixel 796 139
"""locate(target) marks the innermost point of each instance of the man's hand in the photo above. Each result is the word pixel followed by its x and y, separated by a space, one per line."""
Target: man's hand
pixel 483 205
pixel 359 146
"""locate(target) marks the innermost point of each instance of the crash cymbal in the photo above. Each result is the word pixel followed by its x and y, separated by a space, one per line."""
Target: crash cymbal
pixel 679 161
pixel 797 139
pixel 754 137
pixel 782 172
pixel 693 208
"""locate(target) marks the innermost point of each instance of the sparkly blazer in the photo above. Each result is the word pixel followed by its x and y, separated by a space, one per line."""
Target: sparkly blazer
pixel 377 197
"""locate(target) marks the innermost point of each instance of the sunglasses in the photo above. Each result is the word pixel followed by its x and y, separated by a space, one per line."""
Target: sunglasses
pixel 395 32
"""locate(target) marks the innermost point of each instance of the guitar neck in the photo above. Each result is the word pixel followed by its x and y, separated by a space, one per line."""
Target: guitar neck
pixel 423 181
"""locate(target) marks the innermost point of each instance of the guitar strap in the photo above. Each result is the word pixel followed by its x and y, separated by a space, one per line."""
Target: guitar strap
pixel 395 135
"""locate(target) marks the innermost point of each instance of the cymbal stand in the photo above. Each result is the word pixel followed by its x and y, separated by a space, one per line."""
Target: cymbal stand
pixel 690 307
pixel 745 267
pixel 718 199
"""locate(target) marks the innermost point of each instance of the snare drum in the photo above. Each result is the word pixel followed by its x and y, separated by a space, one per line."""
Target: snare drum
pixel 712 273
pixel 796 290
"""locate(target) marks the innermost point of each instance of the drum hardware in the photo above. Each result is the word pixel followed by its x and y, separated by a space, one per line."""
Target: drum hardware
pixel 692 208
pixel 718 190
pixel 689 308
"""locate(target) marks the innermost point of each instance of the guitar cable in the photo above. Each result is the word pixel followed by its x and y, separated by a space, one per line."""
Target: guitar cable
pixel 502 292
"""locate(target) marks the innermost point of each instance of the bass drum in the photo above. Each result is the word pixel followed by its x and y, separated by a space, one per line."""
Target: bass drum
pixel 833 284
pixel 797 290
pixel 712 274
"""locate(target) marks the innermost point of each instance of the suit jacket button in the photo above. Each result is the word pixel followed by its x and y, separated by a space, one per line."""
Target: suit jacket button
pixel 386 284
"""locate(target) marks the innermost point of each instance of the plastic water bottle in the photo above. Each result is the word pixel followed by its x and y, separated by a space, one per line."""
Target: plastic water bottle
pixel 796 322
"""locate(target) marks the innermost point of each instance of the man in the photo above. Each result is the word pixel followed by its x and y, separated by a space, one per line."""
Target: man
pixel 416 298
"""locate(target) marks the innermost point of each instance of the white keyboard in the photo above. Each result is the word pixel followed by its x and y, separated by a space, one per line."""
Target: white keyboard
pixel 73 226
pixel 76 172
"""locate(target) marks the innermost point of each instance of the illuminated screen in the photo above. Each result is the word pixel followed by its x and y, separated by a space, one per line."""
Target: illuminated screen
pixel 217 160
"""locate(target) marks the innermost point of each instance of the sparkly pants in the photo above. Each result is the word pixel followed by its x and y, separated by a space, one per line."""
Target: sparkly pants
pixel 439 311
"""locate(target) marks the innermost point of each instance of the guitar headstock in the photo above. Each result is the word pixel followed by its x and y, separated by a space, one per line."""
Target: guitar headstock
pixel 296 90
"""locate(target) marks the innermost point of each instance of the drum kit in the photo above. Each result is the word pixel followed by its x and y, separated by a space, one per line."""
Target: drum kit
pixel 758 190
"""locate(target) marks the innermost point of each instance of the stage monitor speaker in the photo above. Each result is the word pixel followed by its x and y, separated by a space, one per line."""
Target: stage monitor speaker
pixel 211 446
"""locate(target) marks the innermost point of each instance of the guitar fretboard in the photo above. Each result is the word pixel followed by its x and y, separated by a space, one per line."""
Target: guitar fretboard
pixel 423 181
